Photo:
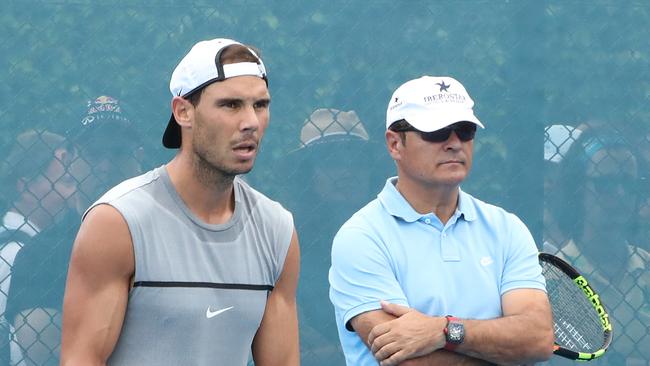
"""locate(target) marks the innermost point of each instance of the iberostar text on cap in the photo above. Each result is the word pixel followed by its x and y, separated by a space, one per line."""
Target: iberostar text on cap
pixel 430 103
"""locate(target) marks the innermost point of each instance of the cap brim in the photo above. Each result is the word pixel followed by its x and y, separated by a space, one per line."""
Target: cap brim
pixel 172 136
pixel 425 122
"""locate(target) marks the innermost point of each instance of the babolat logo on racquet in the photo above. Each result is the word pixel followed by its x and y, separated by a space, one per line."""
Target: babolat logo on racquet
pixel 595 301
pixel 582 327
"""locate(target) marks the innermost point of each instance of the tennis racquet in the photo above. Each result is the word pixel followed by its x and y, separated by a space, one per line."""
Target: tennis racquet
pixel 582 327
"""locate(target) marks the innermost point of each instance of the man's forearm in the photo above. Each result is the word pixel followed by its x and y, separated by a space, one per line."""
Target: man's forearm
pixel 508 340
pixel 523 336
pixel 502 341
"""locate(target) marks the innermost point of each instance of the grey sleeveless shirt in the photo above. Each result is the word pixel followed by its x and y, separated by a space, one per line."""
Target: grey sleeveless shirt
pixel 200 290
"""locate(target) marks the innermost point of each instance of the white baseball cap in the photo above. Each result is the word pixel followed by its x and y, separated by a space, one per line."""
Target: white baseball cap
pixel 329 124
pixel 430 103
pixel 200 67
pixel 558 139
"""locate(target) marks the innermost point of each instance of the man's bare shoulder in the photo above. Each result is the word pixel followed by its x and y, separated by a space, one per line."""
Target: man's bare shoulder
pixel 103 216
pixel 104 237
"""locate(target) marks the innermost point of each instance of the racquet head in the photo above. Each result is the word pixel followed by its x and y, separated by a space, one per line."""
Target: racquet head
pixel 582 327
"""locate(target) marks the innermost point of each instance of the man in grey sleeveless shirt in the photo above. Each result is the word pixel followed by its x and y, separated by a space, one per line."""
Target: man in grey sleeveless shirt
pixel 187 264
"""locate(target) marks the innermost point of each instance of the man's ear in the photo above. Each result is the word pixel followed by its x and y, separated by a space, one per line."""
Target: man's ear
pixel 394 144
pixel 182 110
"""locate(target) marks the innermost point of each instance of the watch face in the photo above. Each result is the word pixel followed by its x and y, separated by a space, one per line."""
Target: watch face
pixel 455 333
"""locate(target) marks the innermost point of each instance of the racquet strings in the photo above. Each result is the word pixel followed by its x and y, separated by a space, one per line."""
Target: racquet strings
pixel 577 325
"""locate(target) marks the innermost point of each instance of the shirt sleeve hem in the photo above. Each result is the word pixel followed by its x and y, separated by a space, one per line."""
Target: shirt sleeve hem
pixel 365 307
pixel 523 284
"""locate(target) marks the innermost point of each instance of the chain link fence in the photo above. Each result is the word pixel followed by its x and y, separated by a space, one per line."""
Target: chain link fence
pixel 562 87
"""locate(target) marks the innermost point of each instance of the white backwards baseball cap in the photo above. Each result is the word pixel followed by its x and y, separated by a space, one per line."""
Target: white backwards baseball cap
pixel 430 103
pixel 200 67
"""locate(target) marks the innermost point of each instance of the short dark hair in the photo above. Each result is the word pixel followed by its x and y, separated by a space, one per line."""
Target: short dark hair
pixel 400 127
pixel 230 55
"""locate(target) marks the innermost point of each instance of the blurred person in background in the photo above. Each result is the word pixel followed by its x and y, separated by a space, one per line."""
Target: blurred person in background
pixel 106 147
pixel 332 174
pixel 639 136
pixel 110 148
pixel 187 264
pixel 557 140
pixel 39 191
pixel 595 206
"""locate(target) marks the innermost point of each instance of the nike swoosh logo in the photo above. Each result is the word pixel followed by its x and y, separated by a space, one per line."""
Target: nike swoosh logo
pixel 211 314
pixel 486 261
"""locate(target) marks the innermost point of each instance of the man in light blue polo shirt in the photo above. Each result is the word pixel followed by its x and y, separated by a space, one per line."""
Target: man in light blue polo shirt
pixel 426 274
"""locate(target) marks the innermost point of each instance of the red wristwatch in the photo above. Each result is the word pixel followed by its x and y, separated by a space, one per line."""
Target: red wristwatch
pixel 454 333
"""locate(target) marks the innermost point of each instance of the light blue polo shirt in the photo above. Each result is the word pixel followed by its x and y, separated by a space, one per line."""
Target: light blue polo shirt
pixel 389 251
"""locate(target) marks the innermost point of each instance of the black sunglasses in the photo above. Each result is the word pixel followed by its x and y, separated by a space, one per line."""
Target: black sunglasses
pixel 464 130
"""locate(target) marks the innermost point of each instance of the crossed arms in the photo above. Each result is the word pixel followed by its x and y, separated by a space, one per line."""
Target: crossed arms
pixel 369 264
pixel 404 336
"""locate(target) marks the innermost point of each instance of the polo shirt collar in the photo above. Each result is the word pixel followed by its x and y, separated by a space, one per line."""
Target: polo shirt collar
pixel 466 206
pixel 396 205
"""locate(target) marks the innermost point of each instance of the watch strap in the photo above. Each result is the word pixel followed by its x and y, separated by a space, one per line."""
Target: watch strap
pixel 449 346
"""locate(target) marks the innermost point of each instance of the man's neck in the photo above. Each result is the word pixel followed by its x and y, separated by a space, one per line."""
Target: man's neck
pixel 441 200
pixel 208 196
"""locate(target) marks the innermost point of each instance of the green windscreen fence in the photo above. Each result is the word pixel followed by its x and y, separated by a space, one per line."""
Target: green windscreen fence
pixel 561 86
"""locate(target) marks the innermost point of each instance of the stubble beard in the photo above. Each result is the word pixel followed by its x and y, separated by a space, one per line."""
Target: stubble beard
pixel 214 174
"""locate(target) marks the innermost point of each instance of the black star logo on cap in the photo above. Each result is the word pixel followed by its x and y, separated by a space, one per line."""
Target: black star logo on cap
pixel 443 87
